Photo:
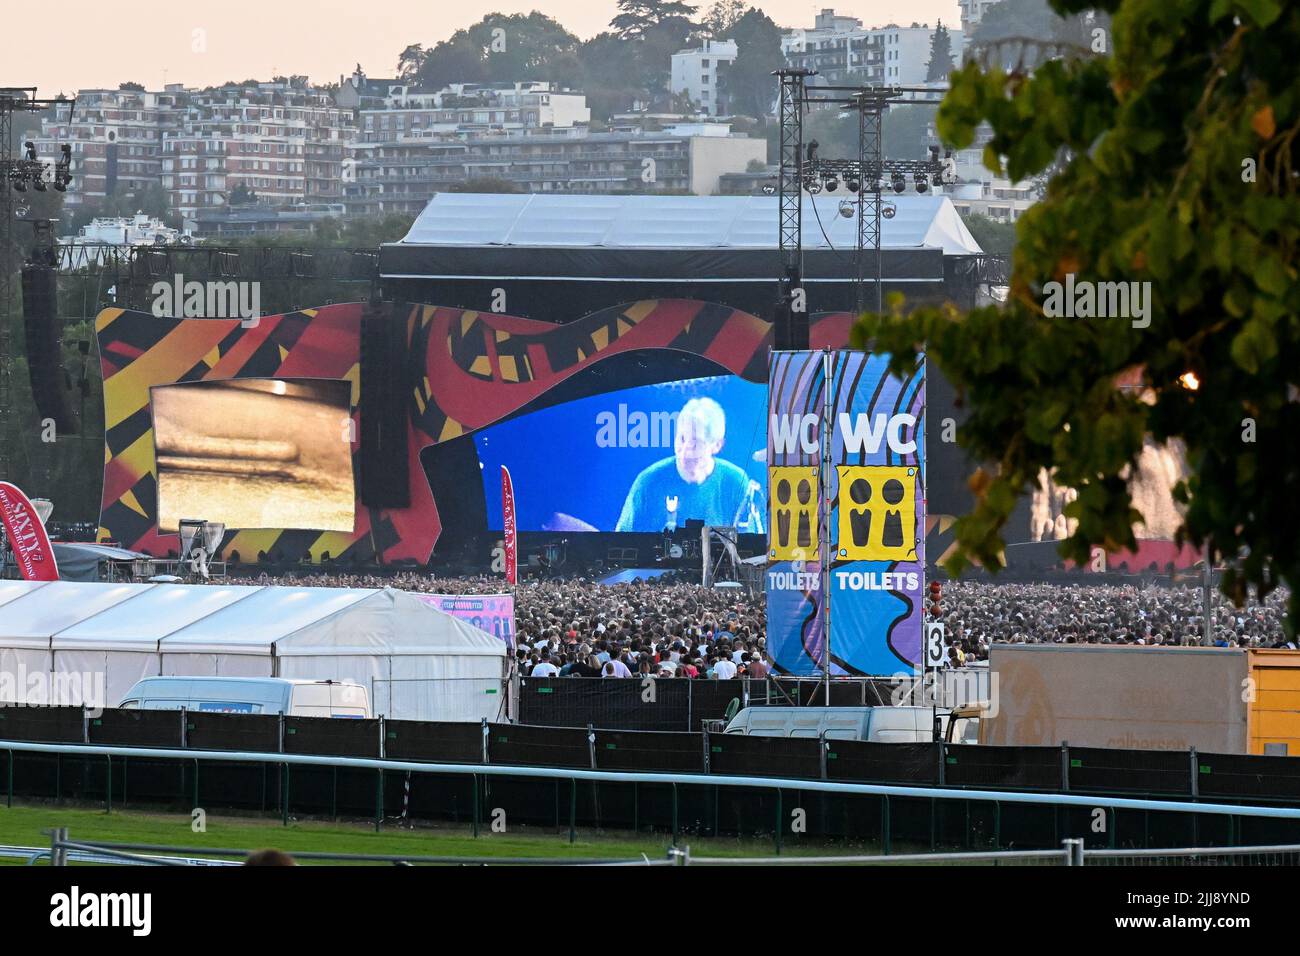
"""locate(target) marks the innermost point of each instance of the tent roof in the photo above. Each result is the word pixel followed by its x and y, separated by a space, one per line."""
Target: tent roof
pixel 675 222
pixel 231 619
pixel 139 624
pixel 31 619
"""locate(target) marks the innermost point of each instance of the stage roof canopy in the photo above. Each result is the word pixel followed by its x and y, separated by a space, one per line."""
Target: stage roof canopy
pixel 675 222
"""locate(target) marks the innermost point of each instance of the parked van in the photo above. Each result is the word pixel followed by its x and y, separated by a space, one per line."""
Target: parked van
pixel 251 695
pixel 875 724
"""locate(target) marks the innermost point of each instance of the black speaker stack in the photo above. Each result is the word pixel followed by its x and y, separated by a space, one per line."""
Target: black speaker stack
pixel 385 451
pixel 49 380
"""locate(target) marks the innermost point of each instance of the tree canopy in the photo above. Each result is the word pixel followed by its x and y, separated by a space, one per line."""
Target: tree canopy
pixel 940 63
pixel 498 49
pixel 749 85
pixel 637 17
pixel 1175 174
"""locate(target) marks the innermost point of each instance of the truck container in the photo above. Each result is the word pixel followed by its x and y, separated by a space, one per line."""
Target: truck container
pixel 1218 700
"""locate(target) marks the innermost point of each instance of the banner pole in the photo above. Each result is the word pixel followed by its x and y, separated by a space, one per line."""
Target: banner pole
pixel 823 529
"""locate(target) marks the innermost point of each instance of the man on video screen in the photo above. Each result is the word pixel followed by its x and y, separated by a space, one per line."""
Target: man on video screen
pixel 694 483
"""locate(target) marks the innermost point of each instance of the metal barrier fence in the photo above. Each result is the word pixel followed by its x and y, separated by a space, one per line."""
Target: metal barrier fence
pixel 789 808
pixel 677 704
pixel 1102 772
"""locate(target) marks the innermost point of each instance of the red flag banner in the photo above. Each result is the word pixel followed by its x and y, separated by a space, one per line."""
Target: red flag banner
pixel 31 545
pixel 508 527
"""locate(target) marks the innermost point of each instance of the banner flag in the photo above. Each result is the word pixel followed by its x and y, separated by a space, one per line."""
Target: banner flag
pixel 877 513
pixel 493 613
pixel 796 613
pixel 30 543
pixel 508 527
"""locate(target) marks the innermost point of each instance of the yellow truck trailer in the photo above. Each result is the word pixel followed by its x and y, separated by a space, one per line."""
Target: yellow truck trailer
pixel 1218 700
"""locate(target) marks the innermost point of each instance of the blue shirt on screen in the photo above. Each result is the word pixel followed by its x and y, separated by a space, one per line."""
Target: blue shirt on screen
pixel 715 501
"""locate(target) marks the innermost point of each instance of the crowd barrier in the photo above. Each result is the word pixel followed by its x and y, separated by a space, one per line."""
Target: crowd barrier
pixel 795 796
pixel 670 704
pixel 1048 769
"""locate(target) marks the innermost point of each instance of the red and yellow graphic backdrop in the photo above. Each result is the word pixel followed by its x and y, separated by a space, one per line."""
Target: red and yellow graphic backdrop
pixel 464 370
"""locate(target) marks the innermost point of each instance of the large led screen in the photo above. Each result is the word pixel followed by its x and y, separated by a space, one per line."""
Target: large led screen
pixel 637 459
pixel 255 453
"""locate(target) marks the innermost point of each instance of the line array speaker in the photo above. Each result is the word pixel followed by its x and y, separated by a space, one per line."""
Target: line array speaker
pixel 49 380
pixel 385 451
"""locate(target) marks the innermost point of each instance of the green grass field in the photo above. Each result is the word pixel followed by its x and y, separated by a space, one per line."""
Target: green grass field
pixel 24 826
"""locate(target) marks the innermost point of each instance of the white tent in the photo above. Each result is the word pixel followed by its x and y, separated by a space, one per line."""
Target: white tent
pixel 417 662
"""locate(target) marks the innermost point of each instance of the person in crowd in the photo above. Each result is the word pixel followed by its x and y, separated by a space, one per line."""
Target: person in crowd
pixel 544 667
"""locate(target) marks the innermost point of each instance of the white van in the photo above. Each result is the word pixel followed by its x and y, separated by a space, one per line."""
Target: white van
pixel 251 695
pixel 890 725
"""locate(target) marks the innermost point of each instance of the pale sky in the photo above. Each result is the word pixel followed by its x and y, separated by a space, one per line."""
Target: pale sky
pixel 94 43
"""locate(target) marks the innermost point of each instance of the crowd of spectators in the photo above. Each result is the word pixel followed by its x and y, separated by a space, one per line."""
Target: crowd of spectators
pixel 672 628
pixel 979 614
pixel 575 627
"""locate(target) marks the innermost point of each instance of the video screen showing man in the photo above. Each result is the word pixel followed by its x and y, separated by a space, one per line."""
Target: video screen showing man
pixel 694 483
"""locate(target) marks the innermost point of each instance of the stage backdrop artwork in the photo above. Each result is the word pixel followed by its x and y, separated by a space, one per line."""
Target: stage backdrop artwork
pixel 846 551
pixel 462 372
pixel 796 608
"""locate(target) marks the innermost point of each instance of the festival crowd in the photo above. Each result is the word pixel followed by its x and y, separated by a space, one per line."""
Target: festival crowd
pixel 671 628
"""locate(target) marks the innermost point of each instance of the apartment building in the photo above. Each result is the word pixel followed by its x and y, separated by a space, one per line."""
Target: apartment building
pixel 116 139
pixel 402 175
pixel 841 50
pixel 463 110
pixel 285 141
pixel 979 191
pixel 972 12
pixel 699 73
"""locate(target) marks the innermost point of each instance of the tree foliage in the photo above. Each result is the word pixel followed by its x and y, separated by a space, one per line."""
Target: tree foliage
pixel 721 16
pixel 749 85
pixel 940 63
pixel 995 237
pixel 1180 175
pixel 637 17
pixel 499 49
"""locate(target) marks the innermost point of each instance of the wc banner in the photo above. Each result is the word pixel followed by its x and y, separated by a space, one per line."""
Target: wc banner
pixel 796 612
pixel 876 490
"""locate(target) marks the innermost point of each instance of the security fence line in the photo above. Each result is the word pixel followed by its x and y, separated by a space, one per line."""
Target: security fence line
pixel 778 785
pixel 1099 772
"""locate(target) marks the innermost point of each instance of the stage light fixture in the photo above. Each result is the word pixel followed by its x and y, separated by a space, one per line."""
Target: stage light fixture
pixel 39 183
pixel 851 185
pixel 832 184
pixel 847 208
pixel 921 184
pixel 899 183
pixel 888 210
pixel 814 186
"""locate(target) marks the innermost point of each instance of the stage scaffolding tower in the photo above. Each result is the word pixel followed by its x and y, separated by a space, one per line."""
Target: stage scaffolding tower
pixel 16 175
pixel 803 170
